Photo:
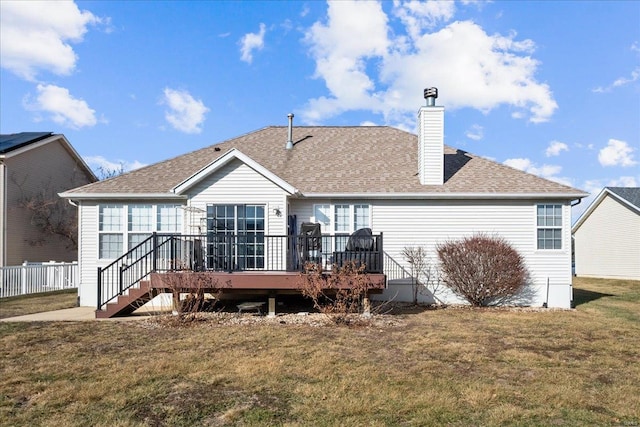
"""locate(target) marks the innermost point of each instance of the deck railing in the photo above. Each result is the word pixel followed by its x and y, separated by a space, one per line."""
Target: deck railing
pixel 30 278
pixel 230 252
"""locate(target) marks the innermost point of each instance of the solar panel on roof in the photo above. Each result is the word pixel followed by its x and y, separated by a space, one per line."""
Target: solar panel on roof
pixel 12 141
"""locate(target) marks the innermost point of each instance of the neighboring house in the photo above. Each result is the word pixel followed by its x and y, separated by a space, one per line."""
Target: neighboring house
pixel 254 189
pixel 607 235
pixel 35 167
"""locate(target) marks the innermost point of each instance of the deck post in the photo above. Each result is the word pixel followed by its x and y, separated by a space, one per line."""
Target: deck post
pixel 154 256
pixel 99 304
pixel 380 250
pixel 366 306
pixel 272 306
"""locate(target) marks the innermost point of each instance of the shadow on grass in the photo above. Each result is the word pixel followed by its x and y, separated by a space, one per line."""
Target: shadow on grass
pixel 583 296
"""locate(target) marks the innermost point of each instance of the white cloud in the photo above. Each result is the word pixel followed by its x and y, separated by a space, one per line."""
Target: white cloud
pixel 62 107
pixel 185 113
pixel 339 49
pixel 476 133
pixel 365 65
pixel 624 181
pixel 250 42
pixel 99 162
pixel 545 171
pixel 620 81
pixel 37 35
pixel 418 16
pixel 555 148
pixel 617 153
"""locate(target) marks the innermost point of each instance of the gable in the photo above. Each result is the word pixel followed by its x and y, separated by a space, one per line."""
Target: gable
pixel 233 157
pixel 609 196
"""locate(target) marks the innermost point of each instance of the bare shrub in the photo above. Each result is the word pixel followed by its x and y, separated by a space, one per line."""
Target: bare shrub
pixel 424 276
pixel 188 289
pixel 483 270
pixel 340 294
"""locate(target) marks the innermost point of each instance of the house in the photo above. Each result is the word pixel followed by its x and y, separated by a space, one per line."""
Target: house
pixel 34 168
pixel 244 200
pixel 607 235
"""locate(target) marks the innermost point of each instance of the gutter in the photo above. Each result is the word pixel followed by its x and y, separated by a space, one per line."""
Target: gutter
pixel 447 196
pixel 121 196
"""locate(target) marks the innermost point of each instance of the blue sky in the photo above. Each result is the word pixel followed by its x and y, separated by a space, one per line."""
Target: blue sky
pixel 552 88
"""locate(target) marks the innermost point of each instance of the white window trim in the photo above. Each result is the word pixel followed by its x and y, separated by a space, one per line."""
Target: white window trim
pixel 546 227
pixel 331 228
pixel 124 232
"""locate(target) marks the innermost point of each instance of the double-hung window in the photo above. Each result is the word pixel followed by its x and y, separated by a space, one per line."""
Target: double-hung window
pixel 549 226
pixel 121 227
pixel 110 231
pixel 140 224
pixel 340 220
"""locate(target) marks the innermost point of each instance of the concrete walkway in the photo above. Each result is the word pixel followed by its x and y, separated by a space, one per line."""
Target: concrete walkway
pixel 65 315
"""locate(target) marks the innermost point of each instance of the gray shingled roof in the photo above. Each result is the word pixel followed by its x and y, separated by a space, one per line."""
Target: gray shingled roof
pixel 630 194
pixel 359 159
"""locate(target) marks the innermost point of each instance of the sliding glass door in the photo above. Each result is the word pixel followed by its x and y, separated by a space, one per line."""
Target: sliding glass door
pixel 235 237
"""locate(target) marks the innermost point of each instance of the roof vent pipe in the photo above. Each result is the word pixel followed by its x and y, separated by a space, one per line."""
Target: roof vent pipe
pixel 290 134
pixel 430 94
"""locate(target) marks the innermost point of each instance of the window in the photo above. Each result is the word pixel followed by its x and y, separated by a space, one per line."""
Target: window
pixel 169 219
pixel 322 215
pixel 115 239
pixel 549 226
pixel 341 219
pixel 360 217
pixel 110 231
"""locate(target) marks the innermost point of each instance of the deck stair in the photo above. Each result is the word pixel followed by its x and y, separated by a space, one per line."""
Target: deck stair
pixel 128 302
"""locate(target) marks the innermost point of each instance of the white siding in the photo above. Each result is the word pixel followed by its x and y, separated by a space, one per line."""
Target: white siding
pixel 88 253
pixel 427 223
pixel 431 145
pixel 607 244
pixel 237 183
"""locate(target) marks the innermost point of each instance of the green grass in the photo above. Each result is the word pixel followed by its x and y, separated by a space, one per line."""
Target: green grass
pixel 36 303
pixel 455 367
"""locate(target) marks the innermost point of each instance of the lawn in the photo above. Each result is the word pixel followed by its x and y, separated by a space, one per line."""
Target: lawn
pixel 456 367
pixel 36 303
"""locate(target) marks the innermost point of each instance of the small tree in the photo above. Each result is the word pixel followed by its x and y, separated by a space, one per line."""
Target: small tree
pixel 193 286
pixel 343 292
pixel 483 270
pixel 424 276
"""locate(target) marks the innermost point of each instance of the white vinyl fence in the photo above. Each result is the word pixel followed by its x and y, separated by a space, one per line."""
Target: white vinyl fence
pixel 31 278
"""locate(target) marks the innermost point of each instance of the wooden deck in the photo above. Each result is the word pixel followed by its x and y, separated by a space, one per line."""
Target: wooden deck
pixel 273 281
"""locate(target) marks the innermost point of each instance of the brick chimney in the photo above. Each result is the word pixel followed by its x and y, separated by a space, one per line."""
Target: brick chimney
pixel 431 140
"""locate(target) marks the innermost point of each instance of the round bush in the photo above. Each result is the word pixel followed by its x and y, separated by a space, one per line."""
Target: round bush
pixel 481 269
